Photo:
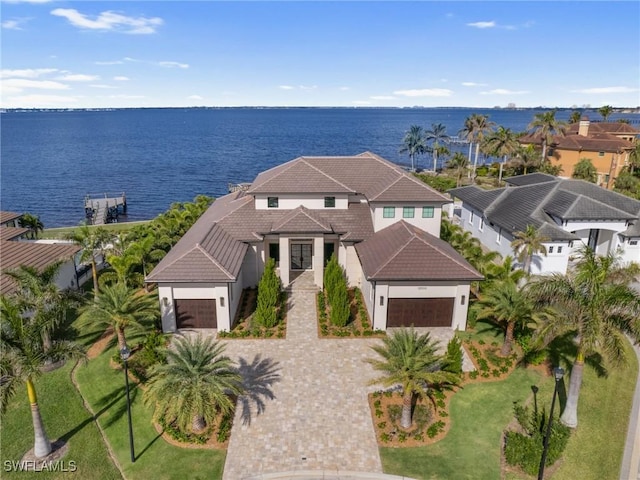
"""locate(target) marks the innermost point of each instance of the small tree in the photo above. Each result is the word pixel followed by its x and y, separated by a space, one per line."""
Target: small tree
pixel 585 170
pixel 268 295
pixel 332 274
pixel 453 358
pixel 339 303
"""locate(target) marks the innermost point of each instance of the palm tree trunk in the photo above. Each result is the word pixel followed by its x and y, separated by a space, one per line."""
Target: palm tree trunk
pixel 198 424
pixel 94 274
pixel 470 148
pixel 435 160
pixel 527 264
pixel 41 444
pixel 544 151
pixel 405 421
pixel 122 341
pixel 508 340
pixel 475 160
pixel 570 414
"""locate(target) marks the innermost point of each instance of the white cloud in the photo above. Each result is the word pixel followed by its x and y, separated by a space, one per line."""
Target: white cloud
pixel 361 102
pixel 195 97
pixel 504 91
pixel 173 64
pixel 26 72
pixel 383 97
pixel 127 96
pixel 109 21
pixel 102 86
pixel 121 78
pixel 491 24
pixel 606 90
pixel 473 84
pixel 286 87
pixel 112 62
pixel 344 89
pixel 22 83
pixel 39 101
pixel 425 92
pixel 78 77
pixel 13 24
pixel 308 87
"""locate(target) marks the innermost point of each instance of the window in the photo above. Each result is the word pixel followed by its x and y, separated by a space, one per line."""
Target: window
pixel 272 202
pixel 329 202
pixel 601 154
pixel 633 242
pixel 481 227
pixel 381 301
pixel 427 212
pixel 389 212
pixel 471 215
pixel 274 251
pixel 499 239
pixel 559 250
pixel 550 250
pixel 408 212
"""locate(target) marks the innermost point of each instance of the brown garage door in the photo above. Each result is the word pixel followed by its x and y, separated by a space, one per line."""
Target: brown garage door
pixel 196 314
pixel 420 312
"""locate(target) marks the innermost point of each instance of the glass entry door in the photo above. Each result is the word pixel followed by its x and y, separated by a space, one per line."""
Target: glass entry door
pixel 301 256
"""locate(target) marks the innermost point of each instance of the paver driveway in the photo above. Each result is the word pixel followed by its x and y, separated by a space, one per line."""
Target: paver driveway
pixel 318 418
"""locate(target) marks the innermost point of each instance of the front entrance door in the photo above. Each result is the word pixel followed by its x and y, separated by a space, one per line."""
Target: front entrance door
pixel 301 256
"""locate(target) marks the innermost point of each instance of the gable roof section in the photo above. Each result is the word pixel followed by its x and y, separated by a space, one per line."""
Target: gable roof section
pixel 476 197
pixel 8 216
pixel 530 179
pixel 9 233
pixel 36 255
pixel 301 220
pixel 404 252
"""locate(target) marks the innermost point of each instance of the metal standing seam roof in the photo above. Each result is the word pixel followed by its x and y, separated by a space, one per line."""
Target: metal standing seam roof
pixel 404 252
pixel 37 255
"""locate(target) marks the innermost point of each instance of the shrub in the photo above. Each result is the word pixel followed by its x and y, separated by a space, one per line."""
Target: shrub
pixel 266 314
pixel 453 357
pixel 340 304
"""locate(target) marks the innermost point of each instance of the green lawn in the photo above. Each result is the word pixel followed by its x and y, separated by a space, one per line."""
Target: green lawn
pixel 64 417
pixel 103 387
pixel 63 232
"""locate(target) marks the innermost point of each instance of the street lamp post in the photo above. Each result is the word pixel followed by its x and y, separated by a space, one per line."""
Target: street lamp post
pixel 558 373
pixel 125 353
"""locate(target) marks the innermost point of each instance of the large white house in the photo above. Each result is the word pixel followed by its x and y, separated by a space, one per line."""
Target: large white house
pixel 381 222
pixel 568 213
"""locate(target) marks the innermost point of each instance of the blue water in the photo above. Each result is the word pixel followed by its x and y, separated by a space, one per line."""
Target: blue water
pixel 51 160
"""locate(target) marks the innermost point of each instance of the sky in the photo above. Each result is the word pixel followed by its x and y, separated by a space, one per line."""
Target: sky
pixel 93 54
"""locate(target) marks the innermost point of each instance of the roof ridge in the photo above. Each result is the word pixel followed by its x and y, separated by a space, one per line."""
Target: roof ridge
pixel 543 202
pixel 213 260
pixel 399 250
pixel 443 252
pixel 304 159
pixel 492 205
pixel 580 195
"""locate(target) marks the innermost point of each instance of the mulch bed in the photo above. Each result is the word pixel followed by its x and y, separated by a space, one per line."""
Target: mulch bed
pixel 490 365
pixel 242 325
pixel 359 325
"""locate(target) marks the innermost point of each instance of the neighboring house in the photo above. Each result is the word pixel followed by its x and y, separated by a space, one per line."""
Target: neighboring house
pixel 15 251
pixel 569 213
pixel 607 144
pixel 381 222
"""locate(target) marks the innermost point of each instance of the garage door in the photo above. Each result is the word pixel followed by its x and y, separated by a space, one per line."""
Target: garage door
pixel 420 312
pixel 196 314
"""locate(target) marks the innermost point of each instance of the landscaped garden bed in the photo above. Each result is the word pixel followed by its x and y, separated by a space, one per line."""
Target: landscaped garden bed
pixel 245 326
pixel 358 324
pixel 489 363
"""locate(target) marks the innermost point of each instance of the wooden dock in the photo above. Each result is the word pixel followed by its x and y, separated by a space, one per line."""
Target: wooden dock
pixel 104 208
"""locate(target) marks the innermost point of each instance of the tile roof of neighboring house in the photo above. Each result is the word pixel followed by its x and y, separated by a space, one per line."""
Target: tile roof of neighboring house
pixel 601 137
pixel 8 216
pixel 36 255
pixel 513 208
pixel 617 128
pixel 530 179
pixel 405 252
pixel 9 233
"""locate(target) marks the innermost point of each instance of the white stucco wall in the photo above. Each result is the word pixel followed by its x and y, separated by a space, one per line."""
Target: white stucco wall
pixel 352 266
pixel 213 291
pixel 629 249
pixel 367 290
pixel 312 201
pixel 485 232
pixel 430 225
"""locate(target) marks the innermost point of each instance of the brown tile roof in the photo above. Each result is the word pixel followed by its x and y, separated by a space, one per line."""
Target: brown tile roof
pixel 8 216
pixel 405 252
pixel 9 233
pixel 297 176
pixel 301 220
pixel 616 128
pixel 36 255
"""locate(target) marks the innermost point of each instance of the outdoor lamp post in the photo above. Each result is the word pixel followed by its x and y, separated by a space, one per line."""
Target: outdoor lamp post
pixel 558 373
pixel 125 353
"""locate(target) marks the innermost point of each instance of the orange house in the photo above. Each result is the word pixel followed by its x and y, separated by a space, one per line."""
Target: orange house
pixel 607 144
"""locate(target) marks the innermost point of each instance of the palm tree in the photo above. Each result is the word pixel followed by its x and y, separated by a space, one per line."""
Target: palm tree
pixel 634 157
pixel 121 308
pixel 459 164
pixel 585 170
pixel 526 157
pixel 32 222
pixel 144 253
pixel 475 128
pixel 546 126
pixel 507 305
pixel 594 304
pixel 412 362
pixel 122 269
pixel 23 356
pixel 575 116
pixel 413 143
pixel 195 384
pixel 505 271
pixel 526 244
pixel 605 111
pixel 92 241
pixel 501 143
pixel 437 134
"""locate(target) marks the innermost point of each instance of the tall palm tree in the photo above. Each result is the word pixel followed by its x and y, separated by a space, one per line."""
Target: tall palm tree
pixel 23 356
pixel 575 116
pixel 546 126
pixel 475 128
pixel 121 308
pixel 144 252
pixel 459 165
pixel 413 143
pixel 410 360
pixel 438 136
pixel 122 269
pixel 595 303
pixel 92 241
pixel 32 222
pixel 605 111
pixel 507 305
pixel 501 143
pixel 526 157
pixel 195 384
pixel 526 244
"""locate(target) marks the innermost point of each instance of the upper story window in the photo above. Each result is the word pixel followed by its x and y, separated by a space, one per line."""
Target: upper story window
pixel 471 216
pixel 427 212
pixel 329 202
pixel 601 154
pixel 499 237
pixel 550 250
pixel 388 212
pixel 408 212
pixel 559 250
pixel 481 227
pixel 272 202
